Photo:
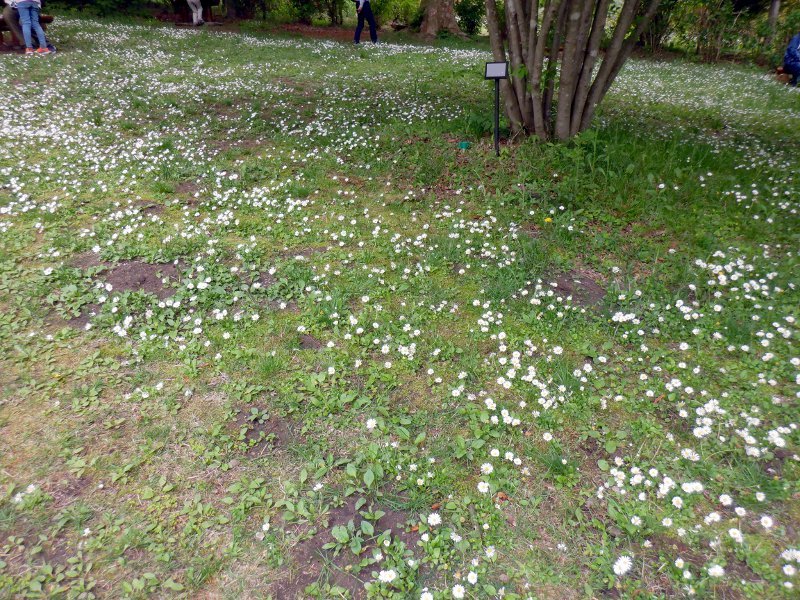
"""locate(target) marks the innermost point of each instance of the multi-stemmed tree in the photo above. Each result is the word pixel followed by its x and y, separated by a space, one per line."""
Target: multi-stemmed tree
pixel 559 75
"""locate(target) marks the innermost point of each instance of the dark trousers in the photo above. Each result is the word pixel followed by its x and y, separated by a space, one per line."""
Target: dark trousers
pixel 793 70
pixel 366 13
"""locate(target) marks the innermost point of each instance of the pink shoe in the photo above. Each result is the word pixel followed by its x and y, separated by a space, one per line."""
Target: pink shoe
pixel 43 51
pixel 29 51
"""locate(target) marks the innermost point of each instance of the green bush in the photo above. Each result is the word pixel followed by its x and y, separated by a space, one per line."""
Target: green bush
pixel 470 15
pixel 107 7
pixel 395 11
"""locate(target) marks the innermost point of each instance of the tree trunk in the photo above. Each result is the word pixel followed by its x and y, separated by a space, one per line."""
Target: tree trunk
pixel 440 15
pixel 772 22
pixel 554 91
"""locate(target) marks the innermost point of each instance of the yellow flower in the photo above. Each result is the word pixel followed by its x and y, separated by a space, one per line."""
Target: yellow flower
pixel 548 220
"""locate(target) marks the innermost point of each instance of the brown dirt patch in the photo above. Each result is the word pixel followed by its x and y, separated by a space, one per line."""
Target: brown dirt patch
pixel 80 322
pixel 774 467
pixel 86 260
pixel 266 280
pixel 309 342
pixel 266 435
pixel 187 187
pixel 327 33
pixel 531 230
pixel 151 208
pixel 310 563
pixel 68 491
pixel 583 289
pixel 135 275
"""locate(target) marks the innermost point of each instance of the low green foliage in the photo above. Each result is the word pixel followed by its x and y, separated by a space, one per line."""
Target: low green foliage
pixel 270 330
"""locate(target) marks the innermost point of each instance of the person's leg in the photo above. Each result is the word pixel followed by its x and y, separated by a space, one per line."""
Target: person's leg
pixel 25 21
pixel 373 30
pixel 359 27
pixel 197 11
pixel 37 27
pixel 794 71
pixel 11 19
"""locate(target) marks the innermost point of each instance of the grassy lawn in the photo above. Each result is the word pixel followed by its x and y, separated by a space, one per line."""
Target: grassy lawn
pixel 266 331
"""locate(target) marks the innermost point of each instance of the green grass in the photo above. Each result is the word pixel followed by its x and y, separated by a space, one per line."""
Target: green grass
pixel 534 365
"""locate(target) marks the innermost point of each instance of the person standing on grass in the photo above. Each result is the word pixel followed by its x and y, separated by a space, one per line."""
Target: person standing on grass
pixel 11 19
pixel 197 12
pixel 29 20
pixel 791 60
pixel 364 11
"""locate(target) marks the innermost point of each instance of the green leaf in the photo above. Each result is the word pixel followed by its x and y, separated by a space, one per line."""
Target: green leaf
pixel 147 493
pixel 367 528
pixel 355 545
pixel 170 584
pixel 602 465
pixel 369 477
pixel 340 534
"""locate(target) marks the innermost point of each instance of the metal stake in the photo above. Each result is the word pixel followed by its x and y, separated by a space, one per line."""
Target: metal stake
pixel 497 117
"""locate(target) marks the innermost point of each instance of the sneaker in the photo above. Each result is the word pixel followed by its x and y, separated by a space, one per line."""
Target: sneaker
pixel 29 51
pixel 43 51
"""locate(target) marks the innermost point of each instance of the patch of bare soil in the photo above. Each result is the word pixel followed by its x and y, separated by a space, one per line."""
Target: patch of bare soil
pixel 310 563
pixel 267 434
pixel 68 491
pixel 187 187
pixel 309 342
pixel 135 275
pixel 132 275
pixel 531 230
pixel 774 467
pixel 583 289
pixel 86 260
pixel 80 322
pixel 151 208
pixel 328 33
pixel 266 280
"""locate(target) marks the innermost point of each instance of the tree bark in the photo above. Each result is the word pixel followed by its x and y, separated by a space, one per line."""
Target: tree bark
pixel 592 51
pixel 499 54
pixel 772 23
pixel 440 15
pixel 554 94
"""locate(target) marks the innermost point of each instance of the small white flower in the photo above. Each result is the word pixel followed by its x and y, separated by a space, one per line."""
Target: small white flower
pixel 434 519
pixel 458 591
pixel 387 576
pixel 622 565
pixel 716 571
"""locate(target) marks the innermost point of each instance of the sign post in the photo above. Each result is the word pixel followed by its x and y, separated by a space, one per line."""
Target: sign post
pixel 496 71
